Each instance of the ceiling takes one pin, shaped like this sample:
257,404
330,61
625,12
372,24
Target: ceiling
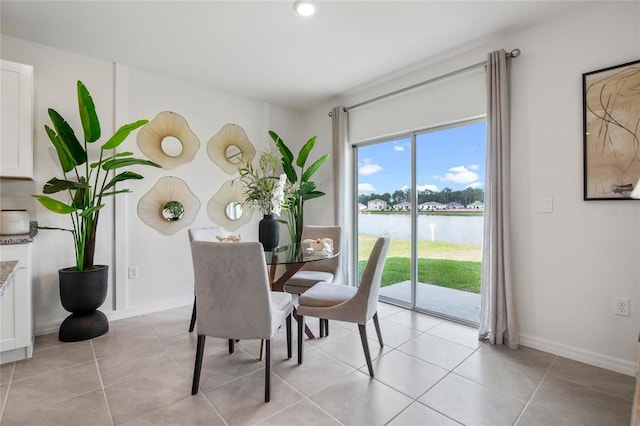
262,49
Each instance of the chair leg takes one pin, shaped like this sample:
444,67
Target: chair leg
231,345
289,336
321,327
267,372
326,327
377,324
198,365
300,337
192,324
365,345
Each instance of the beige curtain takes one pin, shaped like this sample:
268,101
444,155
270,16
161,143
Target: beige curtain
498,322
341,184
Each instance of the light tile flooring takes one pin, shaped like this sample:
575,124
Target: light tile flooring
430,372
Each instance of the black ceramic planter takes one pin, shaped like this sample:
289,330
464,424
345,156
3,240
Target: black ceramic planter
82,293
269,232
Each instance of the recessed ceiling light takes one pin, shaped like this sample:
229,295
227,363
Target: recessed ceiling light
304,7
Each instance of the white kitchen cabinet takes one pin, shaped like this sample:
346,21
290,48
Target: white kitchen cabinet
16,307
16,116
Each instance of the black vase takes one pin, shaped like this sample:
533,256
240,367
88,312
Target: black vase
82,293
269,232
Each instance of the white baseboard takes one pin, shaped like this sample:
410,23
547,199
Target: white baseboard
53,326
592,358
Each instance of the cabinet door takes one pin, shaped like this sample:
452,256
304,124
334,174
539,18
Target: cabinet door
16,329
16,118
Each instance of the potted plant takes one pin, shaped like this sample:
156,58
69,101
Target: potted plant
83,287
300,187
264,190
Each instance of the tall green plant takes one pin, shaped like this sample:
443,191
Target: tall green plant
302,188
86,183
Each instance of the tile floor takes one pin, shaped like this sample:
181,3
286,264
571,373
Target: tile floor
430,372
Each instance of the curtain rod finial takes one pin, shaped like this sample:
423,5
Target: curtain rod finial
515,53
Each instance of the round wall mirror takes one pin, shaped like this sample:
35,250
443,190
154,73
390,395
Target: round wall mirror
171,146
234,210
172,211
233,154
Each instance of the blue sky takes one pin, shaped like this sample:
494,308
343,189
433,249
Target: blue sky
453,158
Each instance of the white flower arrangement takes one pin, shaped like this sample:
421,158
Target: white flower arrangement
262,189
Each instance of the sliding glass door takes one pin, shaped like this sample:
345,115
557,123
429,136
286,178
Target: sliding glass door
427,191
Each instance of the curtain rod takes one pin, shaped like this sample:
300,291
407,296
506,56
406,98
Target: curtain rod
513,54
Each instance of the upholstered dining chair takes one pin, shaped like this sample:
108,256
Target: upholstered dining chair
347,303
202,234
235,300
321,271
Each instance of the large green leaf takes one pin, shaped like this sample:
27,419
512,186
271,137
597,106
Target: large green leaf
122,134
287,155
54,205
56,185
120,191
313,194
91,210
88,115
304,152
312,168
65,132
306,187
121,177
125,162
290,172
64,156
104,160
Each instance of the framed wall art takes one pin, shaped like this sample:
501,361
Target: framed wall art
611,124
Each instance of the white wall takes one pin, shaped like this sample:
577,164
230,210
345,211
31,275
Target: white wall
164,262
570,264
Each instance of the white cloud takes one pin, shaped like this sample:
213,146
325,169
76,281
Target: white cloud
398,148
475,185
366,187
368,168
474,167
427,187
460,175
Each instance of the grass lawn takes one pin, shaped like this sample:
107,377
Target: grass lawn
449,265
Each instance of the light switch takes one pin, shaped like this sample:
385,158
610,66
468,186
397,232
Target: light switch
546,205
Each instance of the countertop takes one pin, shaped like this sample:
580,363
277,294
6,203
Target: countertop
20,239
8,272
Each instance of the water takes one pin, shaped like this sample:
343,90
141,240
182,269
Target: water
455,229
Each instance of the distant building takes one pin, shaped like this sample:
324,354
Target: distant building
431,206
476,205
454,206
402,207
377,205
361,207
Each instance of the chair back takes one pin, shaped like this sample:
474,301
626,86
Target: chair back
369,289
232,290
329,265
205,234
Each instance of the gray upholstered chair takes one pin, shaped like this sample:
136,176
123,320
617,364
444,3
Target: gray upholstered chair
235,300
321,271
202,234
347,303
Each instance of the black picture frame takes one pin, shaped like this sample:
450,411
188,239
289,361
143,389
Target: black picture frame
611,131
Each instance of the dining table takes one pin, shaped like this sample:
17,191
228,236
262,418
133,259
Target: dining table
293,257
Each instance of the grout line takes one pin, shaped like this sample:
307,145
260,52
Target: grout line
104,392
3,403
526,405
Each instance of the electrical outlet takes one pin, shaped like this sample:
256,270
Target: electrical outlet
133,272
621,306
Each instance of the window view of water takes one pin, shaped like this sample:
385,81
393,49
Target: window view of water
454,229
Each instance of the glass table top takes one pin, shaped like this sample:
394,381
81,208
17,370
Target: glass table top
295,253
